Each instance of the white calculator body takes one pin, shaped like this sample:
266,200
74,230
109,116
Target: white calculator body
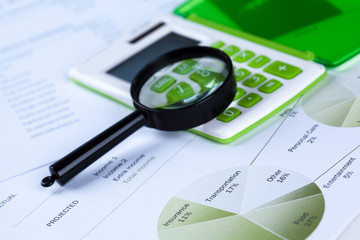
267,79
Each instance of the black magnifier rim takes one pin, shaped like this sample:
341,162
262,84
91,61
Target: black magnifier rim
195,114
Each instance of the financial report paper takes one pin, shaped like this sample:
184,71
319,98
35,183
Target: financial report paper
40,41
294,177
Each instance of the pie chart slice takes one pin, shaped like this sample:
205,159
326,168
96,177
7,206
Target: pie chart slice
335,104
179,212
353,117
264,184
336,114
293,219
292,214
306,191
231,228
213,188
318,106
331,91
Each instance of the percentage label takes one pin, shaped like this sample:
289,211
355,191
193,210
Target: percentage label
293,114
185,216
311,140
310,221
283,177
232,187
348,174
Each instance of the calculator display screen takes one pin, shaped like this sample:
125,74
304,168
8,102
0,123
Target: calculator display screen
127,69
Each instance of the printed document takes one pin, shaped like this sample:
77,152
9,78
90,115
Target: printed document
296,176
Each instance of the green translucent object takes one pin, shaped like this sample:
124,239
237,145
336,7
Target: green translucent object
328,27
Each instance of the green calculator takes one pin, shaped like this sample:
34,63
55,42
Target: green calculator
268,75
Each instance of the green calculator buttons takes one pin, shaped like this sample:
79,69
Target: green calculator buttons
217,44
270,86
231,50
241,73
179,92
283,70
239,93
243,56
229,114
259,61
249,100
163,84
205,78
185,67
254,81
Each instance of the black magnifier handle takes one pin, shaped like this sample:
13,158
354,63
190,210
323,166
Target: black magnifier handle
76,161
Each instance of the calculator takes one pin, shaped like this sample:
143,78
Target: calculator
267,78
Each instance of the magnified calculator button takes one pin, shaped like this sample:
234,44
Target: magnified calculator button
249,100
203,77
163,84
231,50
259,61
270,86
241,73
185,67
229,114
179,92
254,81
239,93
217,44
283,70
244,56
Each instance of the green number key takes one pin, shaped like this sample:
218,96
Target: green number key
205,78
241,73
229,114
179,92
254,80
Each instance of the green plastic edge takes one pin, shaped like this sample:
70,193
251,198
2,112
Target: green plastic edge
101,93
184,11
277,110
185,7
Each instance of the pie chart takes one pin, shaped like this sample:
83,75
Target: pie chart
244,203
336,104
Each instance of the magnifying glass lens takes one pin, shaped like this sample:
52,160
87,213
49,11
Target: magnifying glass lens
179,90
183,83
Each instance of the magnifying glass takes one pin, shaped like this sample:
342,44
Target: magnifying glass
177,91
